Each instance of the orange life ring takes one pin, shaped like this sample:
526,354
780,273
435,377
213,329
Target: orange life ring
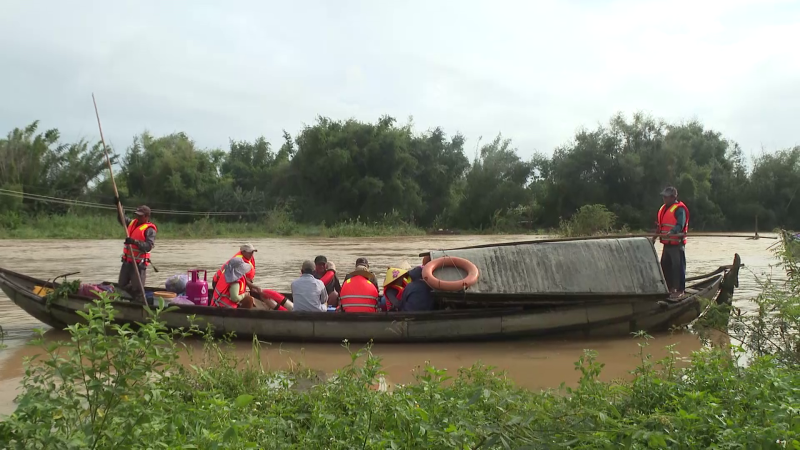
457,285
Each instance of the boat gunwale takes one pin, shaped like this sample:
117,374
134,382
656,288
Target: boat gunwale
53,314
477,313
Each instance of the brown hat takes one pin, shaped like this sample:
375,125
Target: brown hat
142,211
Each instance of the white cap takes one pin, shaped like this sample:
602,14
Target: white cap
247,248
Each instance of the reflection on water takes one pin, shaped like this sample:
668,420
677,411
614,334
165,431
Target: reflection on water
533,364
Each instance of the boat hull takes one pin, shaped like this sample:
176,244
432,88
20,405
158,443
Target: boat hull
606,317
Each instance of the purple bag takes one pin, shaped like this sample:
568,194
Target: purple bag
181,300
92,290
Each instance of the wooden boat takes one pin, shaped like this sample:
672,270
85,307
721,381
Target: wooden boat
548,314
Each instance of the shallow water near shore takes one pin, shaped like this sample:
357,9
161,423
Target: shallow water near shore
533,364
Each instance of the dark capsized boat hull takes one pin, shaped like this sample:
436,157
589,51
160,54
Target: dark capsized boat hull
605,317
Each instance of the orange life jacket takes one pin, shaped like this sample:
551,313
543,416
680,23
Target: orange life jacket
250,275
222,294
667,220
136,232
358,295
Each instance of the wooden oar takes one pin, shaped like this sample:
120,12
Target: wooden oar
120,210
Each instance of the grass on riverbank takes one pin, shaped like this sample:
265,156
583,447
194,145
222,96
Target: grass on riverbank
587,221
105,226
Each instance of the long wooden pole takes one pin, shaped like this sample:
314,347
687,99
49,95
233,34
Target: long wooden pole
120,210
593,238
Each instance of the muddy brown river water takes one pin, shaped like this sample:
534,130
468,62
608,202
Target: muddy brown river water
534,364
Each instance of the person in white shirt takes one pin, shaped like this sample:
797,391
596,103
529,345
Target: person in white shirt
309,293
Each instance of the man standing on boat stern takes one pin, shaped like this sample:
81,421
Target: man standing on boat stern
142,239
673,224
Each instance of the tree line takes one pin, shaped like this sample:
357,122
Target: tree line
382,171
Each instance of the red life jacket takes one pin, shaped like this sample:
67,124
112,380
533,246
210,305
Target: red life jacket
276,296
397,294
359,295
222,295
328,279
250,275
667,220
136,231
389,305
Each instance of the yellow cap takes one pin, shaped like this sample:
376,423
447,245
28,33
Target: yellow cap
393,273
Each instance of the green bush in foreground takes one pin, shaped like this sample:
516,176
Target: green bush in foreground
113,387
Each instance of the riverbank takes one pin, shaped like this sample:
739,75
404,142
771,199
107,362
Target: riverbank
105,226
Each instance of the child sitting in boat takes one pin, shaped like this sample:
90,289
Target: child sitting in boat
393,285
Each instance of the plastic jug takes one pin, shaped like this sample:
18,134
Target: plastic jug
197,289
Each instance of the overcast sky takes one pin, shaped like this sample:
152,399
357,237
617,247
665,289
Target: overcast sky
533,70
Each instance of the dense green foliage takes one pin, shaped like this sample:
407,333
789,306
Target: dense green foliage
383,172
587,221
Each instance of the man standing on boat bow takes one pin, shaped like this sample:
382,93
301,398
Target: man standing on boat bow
142,239
673,224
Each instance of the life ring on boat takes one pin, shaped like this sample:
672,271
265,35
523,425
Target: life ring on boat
454,261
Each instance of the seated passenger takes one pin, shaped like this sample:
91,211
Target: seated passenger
359,294
309,293
247,254
393,285
333,287
230,291
325,271
417,296
362,268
